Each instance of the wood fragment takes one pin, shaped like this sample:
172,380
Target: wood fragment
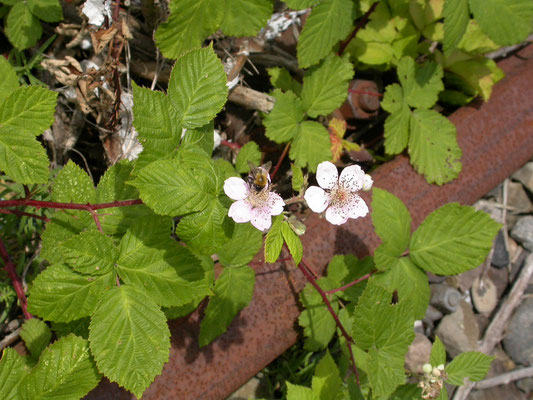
252,99
504,379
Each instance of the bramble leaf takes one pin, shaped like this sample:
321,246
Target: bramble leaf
245,17
36,335
456,16
297,178
438,353
22,28
248,153
396,124
300,4
326,382
433,146
280,78
202,137
282,123
293,242
311,145
233,291
47,10
244,244
73,185
453,239
297,392
9,82
13,370
421,85
127,322
472,365
274,240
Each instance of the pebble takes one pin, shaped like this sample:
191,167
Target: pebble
518,342
525,385
500,255
523,231
444,298
418,354
517,198
525,176
459,330
484,295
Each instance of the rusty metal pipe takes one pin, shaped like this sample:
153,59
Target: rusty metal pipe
496,138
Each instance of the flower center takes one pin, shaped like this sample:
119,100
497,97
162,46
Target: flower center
258,199
339,195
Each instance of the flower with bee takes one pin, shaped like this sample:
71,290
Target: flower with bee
255,202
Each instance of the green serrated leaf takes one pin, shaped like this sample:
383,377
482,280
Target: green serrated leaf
453,239
90,253
172,188
479,73
326,382
248,153
472,365
438,353
293,242
10,81
79,327
197,87
36,335
112,185
507,22
280,78
408,392
22,28
297,392
233,291
60,294
244,244
433,146
297,178
456,17
325,87
282,123
397,123
274,240
421,85
311,145
127,322
202,137
65,370
13,370
189,23
47,10
245,17
73,185
329,22
386,331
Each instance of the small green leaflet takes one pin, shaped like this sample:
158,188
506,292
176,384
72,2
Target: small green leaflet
274,240
296,392
22,28
127,322
453,239
438,353
202,137
10,81
421,85
60,294
24,114
244,244
13,370
456,17
311,145
280,78
329,22
73,185
189,23
472,365
233,291
36,335
326,382
325,86
297,178
282,123
245,17
507,22
47,10
293,242
248,153
65,370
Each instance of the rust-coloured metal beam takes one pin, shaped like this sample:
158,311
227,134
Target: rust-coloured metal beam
496,138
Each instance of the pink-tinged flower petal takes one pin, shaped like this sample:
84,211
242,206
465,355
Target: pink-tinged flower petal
240,211
261,218
336,215
317,199
276,203
367,184
327,175
235,188
352,178
356,207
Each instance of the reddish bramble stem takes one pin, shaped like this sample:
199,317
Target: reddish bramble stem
15,279
67,206
24,214
361,23
276,168
340,289
365,92
231,145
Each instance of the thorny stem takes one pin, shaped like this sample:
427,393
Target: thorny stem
24,214
285,151
340,289
361,23
231,145
15,279
67,206
304,267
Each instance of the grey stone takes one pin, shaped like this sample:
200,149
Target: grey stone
418,354
517,197
525,385
500,278
500,256
523,231
484,295
507,392
444,298
518,342
459,330
525,175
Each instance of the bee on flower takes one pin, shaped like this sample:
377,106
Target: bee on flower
255,202
337,195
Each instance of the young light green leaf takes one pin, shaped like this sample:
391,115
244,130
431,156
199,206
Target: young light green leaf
248,153
206,231
47,10
325,86
293,242
13,370
72,184
438,353
453,239
385,331
22,28
65,370
311,145
297,392
245,17
507,22
233,291
396,124
472,365
456,17
433,146
421,85
156,121
127,322
407,278
280,78
172,188
393,100
282,123
189,23
297,178
329,22
60,294
326,382
197,87
274,240
244,244
36,335
10,81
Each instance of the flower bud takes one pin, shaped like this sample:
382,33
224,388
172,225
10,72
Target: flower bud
427,368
